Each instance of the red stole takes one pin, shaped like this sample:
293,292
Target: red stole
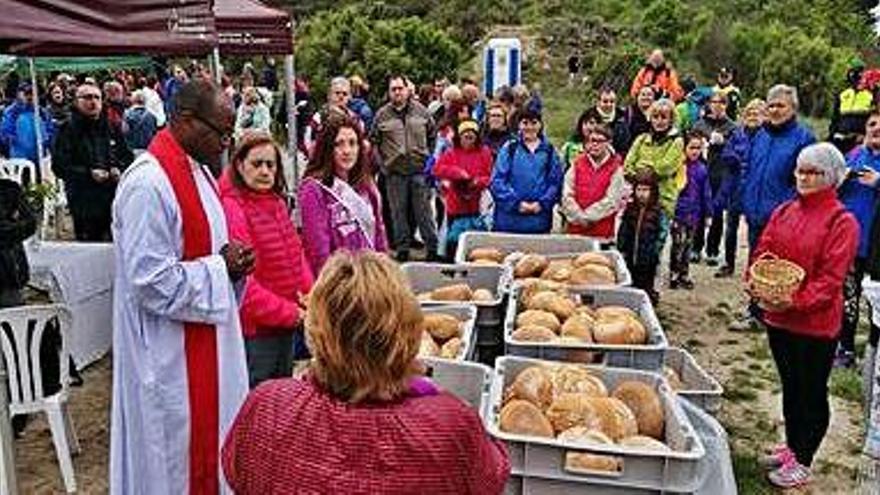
200,340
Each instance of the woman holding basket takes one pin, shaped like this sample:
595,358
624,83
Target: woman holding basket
815,232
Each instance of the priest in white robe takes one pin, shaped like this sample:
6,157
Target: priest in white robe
179,369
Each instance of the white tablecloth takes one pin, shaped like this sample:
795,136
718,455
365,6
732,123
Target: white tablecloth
79,275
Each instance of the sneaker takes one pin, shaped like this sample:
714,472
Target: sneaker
725,271
686,283
791,474
844,359
695,257
712,261
776,456
673,283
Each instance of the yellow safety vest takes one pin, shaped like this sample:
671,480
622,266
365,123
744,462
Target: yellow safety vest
852,101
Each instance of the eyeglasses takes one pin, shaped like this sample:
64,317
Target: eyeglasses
597,140
225,136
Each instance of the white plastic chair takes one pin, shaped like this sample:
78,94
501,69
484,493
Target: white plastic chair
14,169
21,333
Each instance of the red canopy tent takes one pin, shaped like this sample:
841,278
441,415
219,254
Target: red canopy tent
247,27
106,27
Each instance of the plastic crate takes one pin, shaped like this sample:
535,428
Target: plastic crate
528,243
540,458
425,277
621,272
697,385
467,313
647,356
470,382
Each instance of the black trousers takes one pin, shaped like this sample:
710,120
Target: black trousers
643,278
91,226
731,234
852,293
804,365
680,255
715,234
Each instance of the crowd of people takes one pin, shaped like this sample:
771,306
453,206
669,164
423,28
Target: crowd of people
681,163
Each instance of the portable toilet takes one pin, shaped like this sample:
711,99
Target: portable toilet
502,64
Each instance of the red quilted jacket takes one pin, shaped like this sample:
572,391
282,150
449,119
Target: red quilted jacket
281,273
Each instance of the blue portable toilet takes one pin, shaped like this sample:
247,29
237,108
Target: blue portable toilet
502,64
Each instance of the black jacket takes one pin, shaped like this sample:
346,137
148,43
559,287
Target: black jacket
84,144
17,223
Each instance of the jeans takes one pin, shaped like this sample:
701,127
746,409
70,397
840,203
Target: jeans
804,366
411,191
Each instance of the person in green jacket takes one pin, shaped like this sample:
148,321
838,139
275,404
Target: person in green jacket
662,150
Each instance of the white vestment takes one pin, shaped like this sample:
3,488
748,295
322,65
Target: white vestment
154,293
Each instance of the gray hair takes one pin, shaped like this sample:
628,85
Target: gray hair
138,98
784,90
825,157
660,105
340,82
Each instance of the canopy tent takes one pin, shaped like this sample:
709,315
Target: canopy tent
106,27
75,64
247,27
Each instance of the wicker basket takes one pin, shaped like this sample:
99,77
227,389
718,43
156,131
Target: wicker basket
772,278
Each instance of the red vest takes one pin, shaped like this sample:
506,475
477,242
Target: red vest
591,185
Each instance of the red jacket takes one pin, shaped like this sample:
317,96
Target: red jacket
591,185
281,273
664,81
464,175
817,233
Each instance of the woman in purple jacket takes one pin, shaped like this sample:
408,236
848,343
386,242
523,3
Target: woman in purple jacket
339,202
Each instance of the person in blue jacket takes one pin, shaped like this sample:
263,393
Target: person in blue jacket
527,179
729,196
768,177
859,193
17,127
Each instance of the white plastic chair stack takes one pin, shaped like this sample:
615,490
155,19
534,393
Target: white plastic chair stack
21,333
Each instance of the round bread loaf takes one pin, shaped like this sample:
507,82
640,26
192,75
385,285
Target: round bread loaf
533,333
493,255
579,327
569,410
483,295
612,332
558,271
530,265
592,275
645,405
593,259
454,292
442,326
616,419
614,313
538,317
560,305
524,418
532,384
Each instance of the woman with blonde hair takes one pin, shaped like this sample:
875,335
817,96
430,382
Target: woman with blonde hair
361,419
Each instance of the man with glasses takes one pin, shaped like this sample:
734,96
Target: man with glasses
179,367
402,132
89,154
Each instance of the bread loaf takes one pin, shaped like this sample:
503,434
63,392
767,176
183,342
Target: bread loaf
442,326
524,418
645,405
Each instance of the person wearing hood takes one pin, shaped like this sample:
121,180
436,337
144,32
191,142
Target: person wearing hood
527,179
816,232
717,127
17,126
662,150
659,75
851,109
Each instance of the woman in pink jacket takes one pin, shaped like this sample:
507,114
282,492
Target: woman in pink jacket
252,191
338,200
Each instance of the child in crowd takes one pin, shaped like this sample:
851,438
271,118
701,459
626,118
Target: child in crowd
694,205
593,187
639,235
